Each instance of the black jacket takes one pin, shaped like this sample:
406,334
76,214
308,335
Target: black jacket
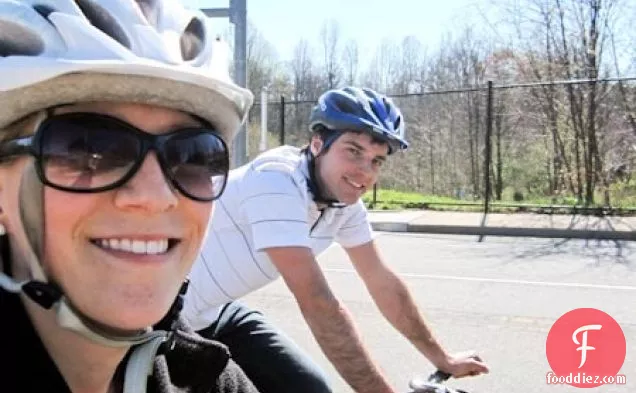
193,365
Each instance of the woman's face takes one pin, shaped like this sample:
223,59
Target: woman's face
107,250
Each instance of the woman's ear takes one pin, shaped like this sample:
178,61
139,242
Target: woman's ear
4,219
3,228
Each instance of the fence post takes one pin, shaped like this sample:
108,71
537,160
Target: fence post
282,120
488,154
375,195
263,144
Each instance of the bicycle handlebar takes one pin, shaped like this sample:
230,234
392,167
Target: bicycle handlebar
433,384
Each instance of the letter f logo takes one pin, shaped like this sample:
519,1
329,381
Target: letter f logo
584,347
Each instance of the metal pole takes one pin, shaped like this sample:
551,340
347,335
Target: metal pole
263,145
488,154
282,120
375,195
216,12
238,16
237,13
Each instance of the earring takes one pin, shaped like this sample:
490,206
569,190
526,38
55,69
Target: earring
4,251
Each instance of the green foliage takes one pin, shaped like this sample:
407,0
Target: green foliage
623,194
398,200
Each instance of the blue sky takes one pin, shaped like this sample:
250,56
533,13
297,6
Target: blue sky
284,22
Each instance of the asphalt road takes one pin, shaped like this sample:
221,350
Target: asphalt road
499,297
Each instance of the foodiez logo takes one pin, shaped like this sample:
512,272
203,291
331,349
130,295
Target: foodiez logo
585,348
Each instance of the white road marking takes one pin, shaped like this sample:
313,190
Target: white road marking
500,280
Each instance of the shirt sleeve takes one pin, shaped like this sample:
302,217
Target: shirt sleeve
275,210
356,230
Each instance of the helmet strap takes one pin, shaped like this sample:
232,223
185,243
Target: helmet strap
314,184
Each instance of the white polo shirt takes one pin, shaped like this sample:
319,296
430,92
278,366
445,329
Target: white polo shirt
266,204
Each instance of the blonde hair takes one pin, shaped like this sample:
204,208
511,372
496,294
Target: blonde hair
22,127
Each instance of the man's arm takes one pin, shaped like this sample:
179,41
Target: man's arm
398,306
328,319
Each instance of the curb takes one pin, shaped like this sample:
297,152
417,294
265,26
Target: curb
504,231
390,226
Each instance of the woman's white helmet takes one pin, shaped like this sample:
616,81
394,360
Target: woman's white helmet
56,52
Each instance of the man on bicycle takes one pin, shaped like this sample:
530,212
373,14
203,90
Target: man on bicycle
281,210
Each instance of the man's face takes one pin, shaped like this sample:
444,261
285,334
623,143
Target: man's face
351,165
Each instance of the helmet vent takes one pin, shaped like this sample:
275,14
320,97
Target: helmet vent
345,106
104,21
192,40
16,40
150,10
43,10
398,121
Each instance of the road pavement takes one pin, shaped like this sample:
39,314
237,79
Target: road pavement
499,297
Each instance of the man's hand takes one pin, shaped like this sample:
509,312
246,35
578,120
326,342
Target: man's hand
464,364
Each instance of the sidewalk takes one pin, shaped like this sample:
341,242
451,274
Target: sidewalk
498,224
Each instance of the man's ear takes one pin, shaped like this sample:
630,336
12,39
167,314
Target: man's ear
316,145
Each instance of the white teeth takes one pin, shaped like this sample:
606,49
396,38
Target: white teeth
125,245
356,185
135,246
138,247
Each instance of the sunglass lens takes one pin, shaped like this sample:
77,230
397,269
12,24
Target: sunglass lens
86,154
198,164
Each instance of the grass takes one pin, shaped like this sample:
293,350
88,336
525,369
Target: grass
399,200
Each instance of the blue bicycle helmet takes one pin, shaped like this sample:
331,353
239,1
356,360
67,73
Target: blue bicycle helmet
359,109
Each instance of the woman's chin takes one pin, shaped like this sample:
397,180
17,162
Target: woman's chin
127,324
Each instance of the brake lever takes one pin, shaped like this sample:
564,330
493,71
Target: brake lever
439,376
433,384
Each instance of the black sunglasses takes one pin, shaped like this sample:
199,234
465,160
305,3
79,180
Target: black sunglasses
90,152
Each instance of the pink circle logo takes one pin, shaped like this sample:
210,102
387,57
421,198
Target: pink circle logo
585,348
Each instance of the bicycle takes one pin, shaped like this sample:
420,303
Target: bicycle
433,384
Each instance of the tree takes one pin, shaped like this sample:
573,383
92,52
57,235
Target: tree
330,35
350,62
262,60
306,87
566,40
383,66
406,78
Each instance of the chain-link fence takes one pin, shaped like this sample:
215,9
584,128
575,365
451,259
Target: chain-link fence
567,142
